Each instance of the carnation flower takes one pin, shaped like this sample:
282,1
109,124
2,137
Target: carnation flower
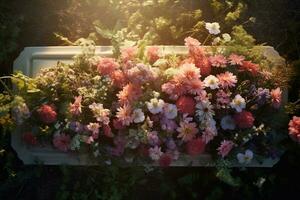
213,28
124,115
245,158
29,138
187,130
225,147
250,67
195,147
227,80
276,97
294,128
75,108
212,82
101,114
61,141
165,160
106,66
47,114
204,110
227,123
186,104
153,54
218,61
170,111
155,153
244,119
155,105
238,103
138,116
236,59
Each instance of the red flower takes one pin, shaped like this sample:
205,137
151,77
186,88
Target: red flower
195,147
107,131
118,124
294,128
244,119
165,160
29,138
47,114
250,67
186,104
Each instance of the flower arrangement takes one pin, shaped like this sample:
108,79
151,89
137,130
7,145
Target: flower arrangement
152,107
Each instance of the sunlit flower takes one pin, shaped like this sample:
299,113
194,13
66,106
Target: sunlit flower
276,97
170,111
294,128
129,53
138,116
238,103
155,105
204,110
227,80
218,61
106,66
245,158
155,153
61,141
235,59
129,94
227,123
124,115
101,114
225,147
191,42
75,108
212,82
187,130
213,28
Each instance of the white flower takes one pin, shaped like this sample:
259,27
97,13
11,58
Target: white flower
155,105
226,37
216,41
238,103
213,28
204,111
155,153
138,116
211,81
227,123
245,158
170,111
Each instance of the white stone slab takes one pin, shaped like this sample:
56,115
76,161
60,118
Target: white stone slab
32,59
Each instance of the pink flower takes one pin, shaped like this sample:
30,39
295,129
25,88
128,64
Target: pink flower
294,129
75,108
47,114
128,53
124,114
187,131
165,160
94,128
276,97
223,98
140,74
129,94
236,59
208,134
155,153
218,61
225,148
100,113
195,87
118,124
29,138
118,78
244,119
186,104
107,131
61,141
227,80
191,42
106,66
195,147
188,72
153,54
250,67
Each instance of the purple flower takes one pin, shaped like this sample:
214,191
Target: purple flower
76,126
262,95
168,125
153,139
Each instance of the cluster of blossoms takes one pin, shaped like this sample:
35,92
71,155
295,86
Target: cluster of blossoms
153,110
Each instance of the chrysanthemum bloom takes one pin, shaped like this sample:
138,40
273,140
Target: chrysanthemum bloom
276,97
212,82
225,147
213,28
100,113
128,53
250,67
106,66
294,128
61,141
187,130
75,108
244,119
165,160
238,103
155,153
245,158
29,138
189,72
124,114
195,147
153,54
47,114
186,104
218,61
129,94
208,134
236,59
227,80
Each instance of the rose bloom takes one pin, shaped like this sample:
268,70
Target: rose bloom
165,160
29,138
294,128
195,147
244,119
61,141
186,104
47,114
276,97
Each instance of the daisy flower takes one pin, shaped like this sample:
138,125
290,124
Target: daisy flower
227,80
187,130
204,110
124,115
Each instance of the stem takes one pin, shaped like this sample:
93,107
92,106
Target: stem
208,36
6,87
